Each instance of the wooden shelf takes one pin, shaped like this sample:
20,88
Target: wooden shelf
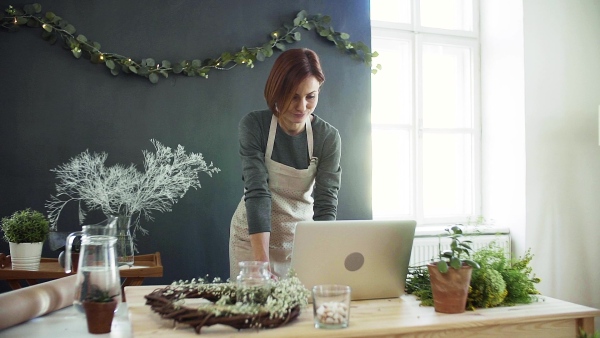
149,265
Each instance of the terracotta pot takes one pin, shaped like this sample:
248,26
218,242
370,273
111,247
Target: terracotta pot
450,289
99,316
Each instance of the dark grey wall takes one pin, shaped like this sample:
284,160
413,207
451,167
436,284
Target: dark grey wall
54,106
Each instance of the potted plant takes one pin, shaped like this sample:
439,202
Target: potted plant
99,306
25,231
450,275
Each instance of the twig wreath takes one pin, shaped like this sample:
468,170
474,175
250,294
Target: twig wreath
54,28
288,296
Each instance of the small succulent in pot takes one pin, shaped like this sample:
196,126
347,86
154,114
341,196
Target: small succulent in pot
458,249
98,295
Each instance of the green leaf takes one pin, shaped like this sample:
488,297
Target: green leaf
345,36
471,263
133,69
29,9
81,38
442,266
373,71
114,71
297,36
260,56
70,29
33,23
37,7
150,62
143,70
50,16
177,68
153,78
110,64
308,26
280,46
378,66
76,52
455,263
21,20
166,63
301,15
196,63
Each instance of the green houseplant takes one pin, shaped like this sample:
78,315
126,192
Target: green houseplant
99,306
25,231
450,275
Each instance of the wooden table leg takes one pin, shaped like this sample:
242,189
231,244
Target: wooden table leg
14,284
130,281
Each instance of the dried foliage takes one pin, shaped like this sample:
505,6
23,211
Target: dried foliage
287,297
119,190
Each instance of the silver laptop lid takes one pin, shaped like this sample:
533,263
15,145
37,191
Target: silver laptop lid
370,256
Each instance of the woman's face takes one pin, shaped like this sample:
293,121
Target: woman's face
302,105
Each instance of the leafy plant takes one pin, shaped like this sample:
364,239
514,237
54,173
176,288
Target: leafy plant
583,334
98,295
517,275
458,249
54,28
499,281
25,226
125,191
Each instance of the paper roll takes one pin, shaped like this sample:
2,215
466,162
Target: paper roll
29,302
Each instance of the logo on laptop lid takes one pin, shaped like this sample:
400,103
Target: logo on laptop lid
354,261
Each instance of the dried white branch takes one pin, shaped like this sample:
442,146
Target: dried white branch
120,190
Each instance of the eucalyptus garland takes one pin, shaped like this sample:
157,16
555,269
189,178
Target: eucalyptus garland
55,28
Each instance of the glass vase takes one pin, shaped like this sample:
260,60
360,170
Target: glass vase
125,248
253,283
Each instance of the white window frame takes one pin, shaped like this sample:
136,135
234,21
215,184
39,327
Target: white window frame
417,36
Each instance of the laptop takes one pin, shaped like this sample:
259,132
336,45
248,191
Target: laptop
371,256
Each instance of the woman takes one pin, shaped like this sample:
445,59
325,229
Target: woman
286,151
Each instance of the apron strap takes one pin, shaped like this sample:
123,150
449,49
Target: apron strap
273,131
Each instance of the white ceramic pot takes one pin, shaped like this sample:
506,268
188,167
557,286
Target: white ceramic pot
25,256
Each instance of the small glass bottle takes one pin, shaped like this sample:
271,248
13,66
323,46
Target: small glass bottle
253,282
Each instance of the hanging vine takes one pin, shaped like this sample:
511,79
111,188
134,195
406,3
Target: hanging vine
54,29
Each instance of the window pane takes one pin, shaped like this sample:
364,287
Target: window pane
391,88
391,173
447,174
391,10
447,87
447,14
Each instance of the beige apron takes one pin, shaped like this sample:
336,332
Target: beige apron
291,202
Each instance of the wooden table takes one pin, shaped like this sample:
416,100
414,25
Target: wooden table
398,317
149,265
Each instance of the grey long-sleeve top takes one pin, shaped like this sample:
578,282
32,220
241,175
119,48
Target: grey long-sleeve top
291,151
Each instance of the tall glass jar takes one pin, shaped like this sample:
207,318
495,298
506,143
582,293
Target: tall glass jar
253,282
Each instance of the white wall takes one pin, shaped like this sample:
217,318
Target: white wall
562,94
541,92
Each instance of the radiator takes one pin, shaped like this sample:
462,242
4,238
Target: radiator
426,248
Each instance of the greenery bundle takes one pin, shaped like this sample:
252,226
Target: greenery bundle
25,226
125,191
55,27
498,282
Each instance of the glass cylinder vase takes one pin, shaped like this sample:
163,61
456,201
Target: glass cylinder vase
253,283
125,248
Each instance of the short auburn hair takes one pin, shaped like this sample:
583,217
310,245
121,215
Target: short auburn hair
290,68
